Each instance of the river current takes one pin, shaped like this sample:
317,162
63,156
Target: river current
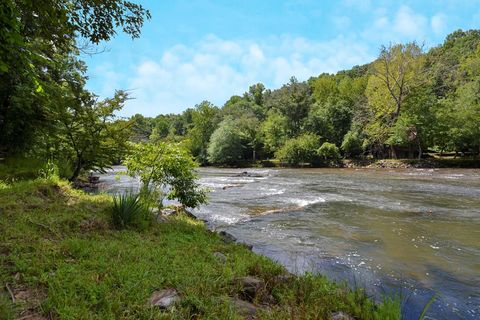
412,233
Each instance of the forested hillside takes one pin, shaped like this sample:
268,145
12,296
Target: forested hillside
405,103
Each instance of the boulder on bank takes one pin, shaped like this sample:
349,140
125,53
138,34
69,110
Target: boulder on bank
164,299
250,287
220,256
341,316
227,237
171,211
244,308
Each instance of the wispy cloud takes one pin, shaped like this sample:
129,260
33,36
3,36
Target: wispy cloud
215,68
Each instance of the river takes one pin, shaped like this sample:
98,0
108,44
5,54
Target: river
414,233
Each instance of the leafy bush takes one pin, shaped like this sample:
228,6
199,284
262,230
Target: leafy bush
129,211
166,169
352,144
225,145
329,151
298,150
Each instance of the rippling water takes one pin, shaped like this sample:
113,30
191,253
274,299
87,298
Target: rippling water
415,233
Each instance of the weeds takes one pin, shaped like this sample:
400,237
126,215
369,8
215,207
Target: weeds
128,211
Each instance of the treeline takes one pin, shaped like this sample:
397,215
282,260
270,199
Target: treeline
401,105
404,104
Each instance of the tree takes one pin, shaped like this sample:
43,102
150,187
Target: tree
352,144
302,149
395,74
89,139
226,145
293,101
324,87
205,118
330,120
38,41
459,114
274,130
164,167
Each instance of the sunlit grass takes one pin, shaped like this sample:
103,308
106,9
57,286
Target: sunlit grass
59,246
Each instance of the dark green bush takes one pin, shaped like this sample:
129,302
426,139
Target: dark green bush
329,152
352,144
302,149
128,211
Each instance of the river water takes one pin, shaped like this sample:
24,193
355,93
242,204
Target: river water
414,233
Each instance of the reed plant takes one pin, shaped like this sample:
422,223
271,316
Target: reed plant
128,211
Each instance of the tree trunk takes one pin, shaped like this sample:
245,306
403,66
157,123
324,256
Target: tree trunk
393,154
76,171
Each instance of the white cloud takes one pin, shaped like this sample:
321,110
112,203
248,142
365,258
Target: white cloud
398,26
409,23
439,23
214,69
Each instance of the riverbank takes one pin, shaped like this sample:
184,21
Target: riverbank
429,163
61,259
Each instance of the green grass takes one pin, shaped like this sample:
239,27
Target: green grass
62,258
19,168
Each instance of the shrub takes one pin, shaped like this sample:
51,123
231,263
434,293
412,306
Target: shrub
129,211
299,150
166,170
329,151
352,144
225,145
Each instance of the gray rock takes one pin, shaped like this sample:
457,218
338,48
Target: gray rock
227,237
250,286
268,300
168,211
220,256
161,219
164,298
244,308
189,214
283,278
341,316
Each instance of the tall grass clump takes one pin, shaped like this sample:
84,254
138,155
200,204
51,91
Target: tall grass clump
129,212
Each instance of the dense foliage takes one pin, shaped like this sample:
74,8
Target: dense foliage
165,169
405,104
45,110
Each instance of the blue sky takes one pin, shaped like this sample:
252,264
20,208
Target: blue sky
195,50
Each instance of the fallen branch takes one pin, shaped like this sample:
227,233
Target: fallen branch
10,292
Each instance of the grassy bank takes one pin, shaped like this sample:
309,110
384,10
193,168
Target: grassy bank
61,259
